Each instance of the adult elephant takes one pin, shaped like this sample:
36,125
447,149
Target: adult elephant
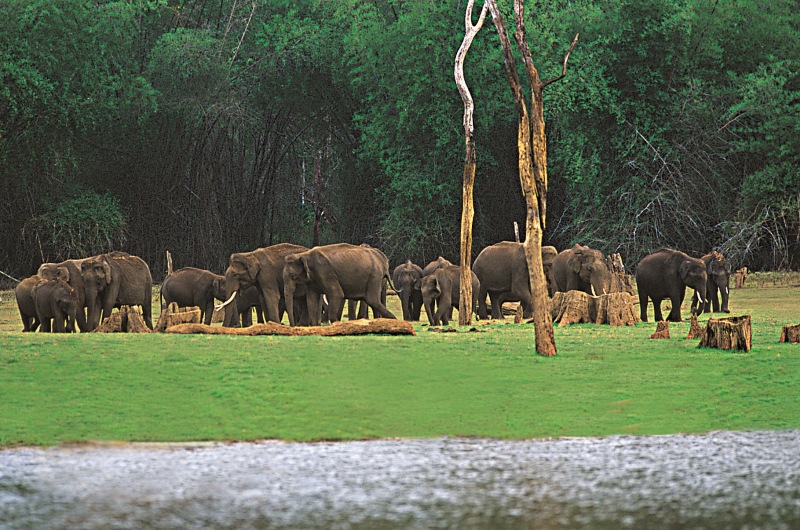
339,272
57,303
263,268
444,286
666,274
718,271
191,286
581,268
25,303
70,272
116,279
502,271
404,277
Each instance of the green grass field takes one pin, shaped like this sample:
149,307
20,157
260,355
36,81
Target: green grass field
72,388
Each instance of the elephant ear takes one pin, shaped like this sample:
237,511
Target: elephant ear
107,270
575,261
306,268
418,285
63,274
253,266
437,286
684,268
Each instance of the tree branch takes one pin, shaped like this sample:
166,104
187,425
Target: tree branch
566,58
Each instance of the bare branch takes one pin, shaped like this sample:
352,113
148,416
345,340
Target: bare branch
566,58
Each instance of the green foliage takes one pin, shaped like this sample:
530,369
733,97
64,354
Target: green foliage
84,226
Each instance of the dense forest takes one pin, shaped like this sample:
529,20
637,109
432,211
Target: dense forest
206,127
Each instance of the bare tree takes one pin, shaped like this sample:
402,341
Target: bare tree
532,152
467,210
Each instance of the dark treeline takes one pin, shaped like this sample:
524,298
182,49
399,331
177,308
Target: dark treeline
206,127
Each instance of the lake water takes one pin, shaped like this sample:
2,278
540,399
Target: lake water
717,480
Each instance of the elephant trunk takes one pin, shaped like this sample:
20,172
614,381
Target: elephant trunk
428,303
724,293
405,299
700,293
289,287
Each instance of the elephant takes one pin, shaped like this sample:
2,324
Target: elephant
435,264
581,269
116,279
718,270
338,271
263,268
70,272
27,307
549,254
56,301
443,285
502,271
191,286
404,277
666,274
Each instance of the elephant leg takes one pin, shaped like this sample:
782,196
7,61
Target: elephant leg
313,301
657,316
363,309
45,328
482,311
643,306
247,317
271,306
496,300
713,295
416,306
378,308
207,312
675,312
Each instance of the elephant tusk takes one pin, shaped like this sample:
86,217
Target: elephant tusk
593,292
325,299
726,289
228,301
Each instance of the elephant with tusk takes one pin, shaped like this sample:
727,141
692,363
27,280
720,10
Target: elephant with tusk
718,270
581,268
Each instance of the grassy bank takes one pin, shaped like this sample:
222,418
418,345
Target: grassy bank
64,388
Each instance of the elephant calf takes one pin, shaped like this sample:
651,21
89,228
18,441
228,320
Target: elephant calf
444,286
56,301
27,307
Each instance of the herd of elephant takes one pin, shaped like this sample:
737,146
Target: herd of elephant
312,285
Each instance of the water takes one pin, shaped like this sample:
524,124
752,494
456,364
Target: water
718,480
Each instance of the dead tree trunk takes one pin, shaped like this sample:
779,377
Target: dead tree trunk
467,210
791,334
733,333
532,159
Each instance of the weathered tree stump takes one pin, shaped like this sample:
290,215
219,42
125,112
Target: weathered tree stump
174,315
695,331
518,315
574,307
662,330
791,334
732,333
377,326
620,281
739,276
127,320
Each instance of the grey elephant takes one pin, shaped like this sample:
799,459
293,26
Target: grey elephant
430,268
443,286
581,268
404,277
115,279
70,272
191,286
25,303
666,274
718,271
263,268
502,271
57,303
339,272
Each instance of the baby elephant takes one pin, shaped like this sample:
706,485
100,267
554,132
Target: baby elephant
25,303
56,301
443,287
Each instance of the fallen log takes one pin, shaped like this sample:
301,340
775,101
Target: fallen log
127,320
732,333
378,326
791,334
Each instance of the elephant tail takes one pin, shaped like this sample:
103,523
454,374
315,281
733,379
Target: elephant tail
389,283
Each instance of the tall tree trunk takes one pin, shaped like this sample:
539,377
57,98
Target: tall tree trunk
467,211
532,151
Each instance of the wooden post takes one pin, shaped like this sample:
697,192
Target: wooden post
468,178
732,333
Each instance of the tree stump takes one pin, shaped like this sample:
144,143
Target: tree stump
662,330
620,281
127,320
739,277
732,333
695,331
174,315
791,334
518,315
574,307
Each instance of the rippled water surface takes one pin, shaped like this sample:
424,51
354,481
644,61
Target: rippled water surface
719,480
